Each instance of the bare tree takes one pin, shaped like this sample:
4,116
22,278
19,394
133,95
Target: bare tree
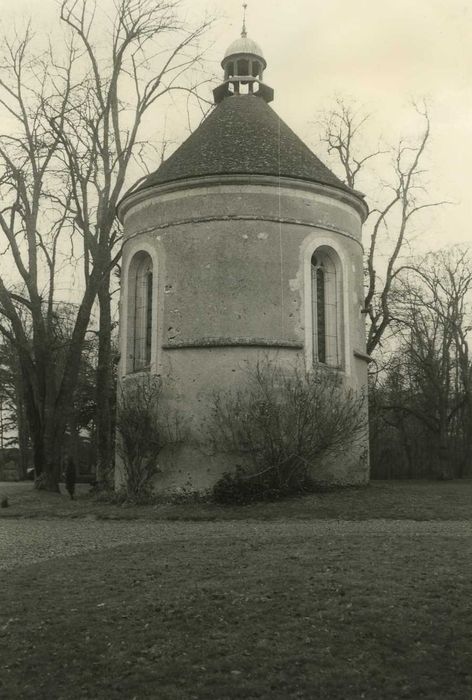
402,196
442,299
32,220
72,133
428,377
150,54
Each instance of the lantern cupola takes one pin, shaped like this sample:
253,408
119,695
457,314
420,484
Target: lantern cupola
243,66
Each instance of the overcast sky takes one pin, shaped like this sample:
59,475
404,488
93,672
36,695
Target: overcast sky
383,54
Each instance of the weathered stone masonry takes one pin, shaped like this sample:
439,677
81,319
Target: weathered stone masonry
234,235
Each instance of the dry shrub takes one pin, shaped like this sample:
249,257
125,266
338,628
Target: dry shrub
283,423
144,429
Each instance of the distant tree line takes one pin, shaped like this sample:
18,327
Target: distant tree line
421,399
81,427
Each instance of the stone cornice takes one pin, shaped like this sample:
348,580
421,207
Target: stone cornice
227,342
354,199
241,217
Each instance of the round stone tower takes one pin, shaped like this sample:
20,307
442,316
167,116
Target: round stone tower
241,245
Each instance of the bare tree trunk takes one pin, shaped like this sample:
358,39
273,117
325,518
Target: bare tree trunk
104,390
444,472
406,444
52,462
466,467
47,440
23,436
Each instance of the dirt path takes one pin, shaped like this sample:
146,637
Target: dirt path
23,542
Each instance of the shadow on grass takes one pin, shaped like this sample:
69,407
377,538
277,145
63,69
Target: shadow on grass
412,500
252,614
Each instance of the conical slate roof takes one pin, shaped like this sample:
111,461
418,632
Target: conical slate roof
243,135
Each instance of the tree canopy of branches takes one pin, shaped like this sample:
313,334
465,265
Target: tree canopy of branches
100,137
75,128
426,394
401,194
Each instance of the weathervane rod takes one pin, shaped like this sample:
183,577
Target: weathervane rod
244,32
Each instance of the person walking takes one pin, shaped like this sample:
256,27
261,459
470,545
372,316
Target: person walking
70,476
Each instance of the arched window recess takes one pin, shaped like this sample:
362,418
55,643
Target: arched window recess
326,308
140,311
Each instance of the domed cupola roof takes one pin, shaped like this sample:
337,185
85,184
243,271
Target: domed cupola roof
244,45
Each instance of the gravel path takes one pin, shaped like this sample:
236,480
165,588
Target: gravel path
23,542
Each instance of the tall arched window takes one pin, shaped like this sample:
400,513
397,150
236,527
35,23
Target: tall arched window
326,307
140,308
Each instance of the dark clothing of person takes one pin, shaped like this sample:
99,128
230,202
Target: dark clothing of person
70,477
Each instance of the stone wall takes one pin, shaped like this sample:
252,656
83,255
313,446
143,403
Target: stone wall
232,265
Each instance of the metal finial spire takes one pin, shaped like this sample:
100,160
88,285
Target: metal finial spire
244,32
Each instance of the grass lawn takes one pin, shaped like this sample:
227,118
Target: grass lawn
415,500
276,606
290,613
